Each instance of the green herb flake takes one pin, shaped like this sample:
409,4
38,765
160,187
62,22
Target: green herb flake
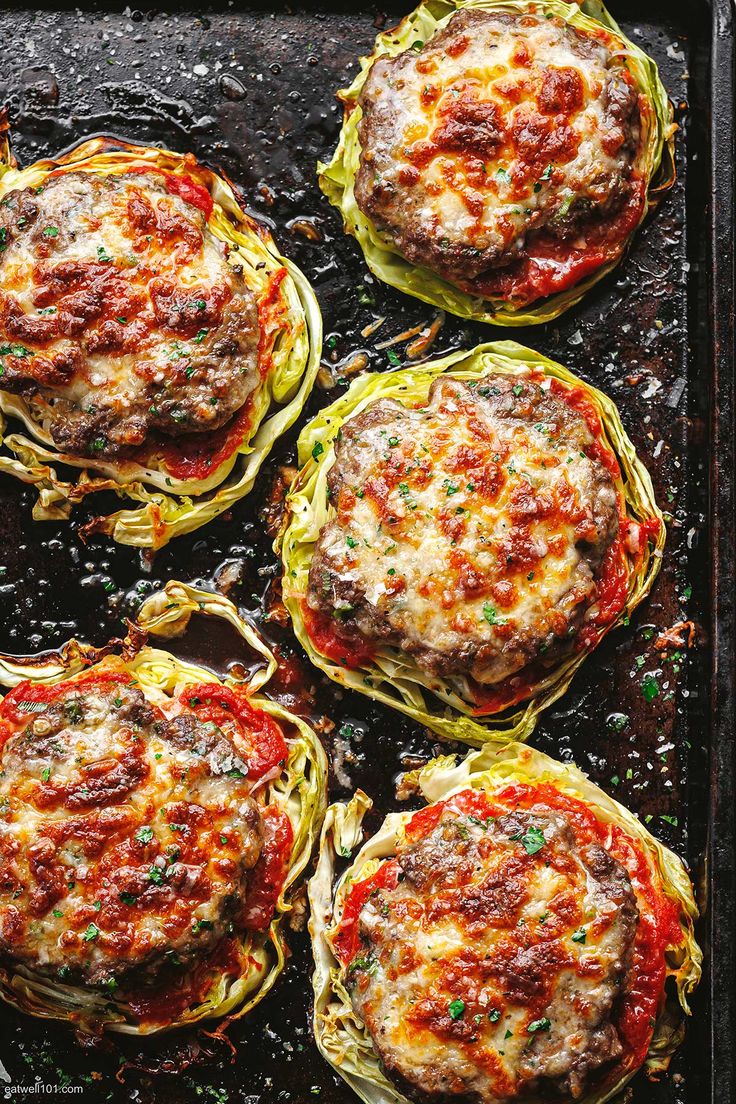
317,450
144,834
456,1009
539,1025
649,688
490,614
532,840
91,933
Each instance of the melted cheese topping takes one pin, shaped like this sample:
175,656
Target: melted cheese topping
126,837
502,124
491,956
120,313
467,532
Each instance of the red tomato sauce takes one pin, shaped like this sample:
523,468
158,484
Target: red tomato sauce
347,938
270,872
164,1004
256,735
658,928
197,459
552,266
270,316
32,692
328,641
197,195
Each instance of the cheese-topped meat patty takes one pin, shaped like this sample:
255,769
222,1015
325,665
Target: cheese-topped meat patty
506,137
126,837
119,312
491,953
468,532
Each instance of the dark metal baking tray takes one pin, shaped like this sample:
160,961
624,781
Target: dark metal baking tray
250,88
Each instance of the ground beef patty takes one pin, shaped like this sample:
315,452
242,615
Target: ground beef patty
468,532
501,126
120,313
492,969
125,838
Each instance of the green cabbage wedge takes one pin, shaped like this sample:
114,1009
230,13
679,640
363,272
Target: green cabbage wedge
341,1035
169,506
392,677
299,791
655,160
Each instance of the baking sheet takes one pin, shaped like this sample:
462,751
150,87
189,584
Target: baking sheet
251,90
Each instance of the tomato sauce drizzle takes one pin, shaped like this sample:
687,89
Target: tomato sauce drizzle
269,875
197,459
327,639
659,916
37,693
255,734
164,1004
552,266
193,193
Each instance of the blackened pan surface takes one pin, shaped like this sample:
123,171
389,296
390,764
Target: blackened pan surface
250,89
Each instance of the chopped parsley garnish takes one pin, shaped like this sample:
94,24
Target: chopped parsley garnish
545,176
200,336
450,487
407,496
317,450
202,925
46,774
200,304
50,232
494,1015
649,687
367,963
532,840
156,875
539,1025
491,615
91,933
15,350
504,175
351,542
144,834
58,913
128,898
103,255
456,1008
393,358
579,936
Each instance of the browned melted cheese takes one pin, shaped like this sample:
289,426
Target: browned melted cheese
126,837
119,313
500,126
467,532
491,954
